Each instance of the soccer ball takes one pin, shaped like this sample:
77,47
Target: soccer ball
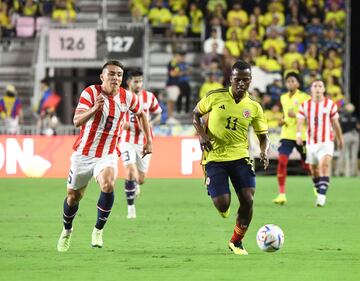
270,238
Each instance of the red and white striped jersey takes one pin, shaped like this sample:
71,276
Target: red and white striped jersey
100,134
318,116
134,133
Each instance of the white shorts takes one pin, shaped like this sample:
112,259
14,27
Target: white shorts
83,168
314,152
133,154
172,92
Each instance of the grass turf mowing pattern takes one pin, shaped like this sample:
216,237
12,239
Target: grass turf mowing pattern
178,234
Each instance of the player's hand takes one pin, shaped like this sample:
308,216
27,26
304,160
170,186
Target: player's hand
281,122
205,143
340,143
264,159
147,149
99,102
299,141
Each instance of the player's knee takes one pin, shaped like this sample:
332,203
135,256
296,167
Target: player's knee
74,197
108,186
222,203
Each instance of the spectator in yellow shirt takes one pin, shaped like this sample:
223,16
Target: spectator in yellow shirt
275,41
159,16
234,45
237,13
140,6
331,70
29,8
211,83
291,56
271,62
176,5
313,58
63,13
196,20
180,23
335,13
253,23
6,27
294,32
274,11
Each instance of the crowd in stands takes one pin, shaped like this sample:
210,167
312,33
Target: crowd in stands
276,36
13,11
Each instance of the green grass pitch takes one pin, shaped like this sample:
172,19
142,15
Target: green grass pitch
178,234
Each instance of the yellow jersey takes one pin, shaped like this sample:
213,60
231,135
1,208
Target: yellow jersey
228,124
288,103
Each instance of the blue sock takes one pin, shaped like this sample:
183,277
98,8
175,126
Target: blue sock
105,203
316,183
130,191
69,214
323,185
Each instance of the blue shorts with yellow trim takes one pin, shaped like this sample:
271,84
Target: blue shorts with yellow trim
240,172
287,146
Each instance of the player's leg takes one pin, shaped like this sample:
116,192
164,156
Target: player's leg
217,183
131,175
243,179
324,154
324,179
128,156
79,176
105,173
285,149
142,164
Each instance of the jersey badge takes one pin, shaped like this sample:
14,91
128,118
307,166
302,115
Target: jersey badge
123,107
246,113
222,107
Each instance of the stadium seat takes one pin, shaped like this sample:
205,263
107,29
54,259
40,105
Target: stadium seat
25,27
41,22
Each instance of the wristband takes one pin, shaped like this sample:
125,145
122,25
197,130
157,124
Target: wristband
298,134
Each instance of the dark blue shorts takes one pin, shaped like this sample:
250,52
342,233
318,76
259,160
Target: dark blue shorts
287,146
240,172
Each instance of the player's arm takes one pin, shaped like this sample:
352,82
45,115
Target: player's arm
205,142
338,133
82,116
264,149
299,126
144,123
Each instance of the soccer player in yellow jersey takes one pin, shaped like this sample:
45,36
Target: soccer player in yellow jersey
290,103
225,146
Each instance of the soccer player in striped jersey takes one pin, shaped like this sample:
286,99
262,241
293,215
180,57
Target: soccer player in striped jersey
321,117
132,140
290,103
99,113
225,145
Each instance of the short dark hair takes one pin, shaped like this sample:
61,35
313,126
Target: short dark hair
293,74
134,73
113,62
241,65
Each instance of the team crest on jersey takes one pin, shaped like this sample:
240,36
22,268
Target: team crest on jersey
123,107
246,113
